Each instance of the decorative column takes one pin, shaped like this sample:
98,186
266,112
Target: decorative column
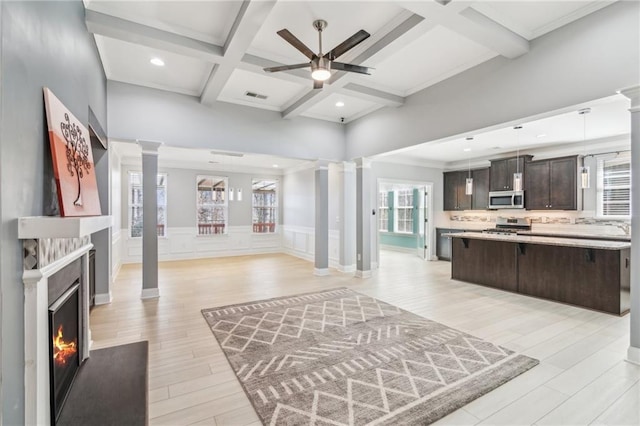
633,353
149,219
321,253
347,208
364,211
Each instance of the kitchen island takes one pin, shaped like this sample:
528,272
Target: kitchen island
594,274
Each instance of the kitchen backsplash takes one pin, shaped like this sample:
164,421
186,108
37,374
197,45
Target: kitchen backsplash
582,222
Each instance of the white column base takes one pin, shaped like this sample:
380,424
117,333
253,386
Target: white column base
347,269
150,293
633,355
103,298
363,274
322,272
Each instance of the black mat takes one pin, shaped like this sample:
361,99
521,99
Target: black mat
110,388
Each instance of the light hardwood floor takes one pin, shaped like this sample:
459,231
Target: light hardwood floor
582,377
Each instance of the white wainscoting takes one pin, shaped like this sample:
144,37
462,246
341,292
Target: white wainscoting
299,241
184,243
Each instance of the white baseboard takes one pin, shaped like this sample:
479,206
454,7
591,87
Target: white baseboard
150,293
321,272
299,254
363,274
103,298
398,249
116,270
633,355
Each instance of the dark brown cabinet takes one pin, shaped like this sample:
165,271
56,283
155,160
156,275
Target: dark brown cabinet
455,197
592,278
490,263
588,277
480,197
454,191
502,172
552,184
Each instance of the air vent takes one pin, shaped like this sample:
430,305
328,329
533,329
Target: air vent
255,95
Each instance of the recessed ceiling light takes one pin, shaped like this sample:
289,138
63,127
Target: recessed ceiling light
467,149
275,165
542,135
157,62
339,104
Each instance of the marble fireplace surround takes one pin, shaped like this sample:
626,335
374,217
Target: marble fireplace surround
49,244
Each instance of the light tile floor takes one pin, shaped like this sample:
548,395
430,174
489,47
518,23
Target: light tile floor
582,377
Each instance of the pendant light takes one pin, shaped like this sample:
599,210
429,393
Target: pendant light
585,175
468,187
517,176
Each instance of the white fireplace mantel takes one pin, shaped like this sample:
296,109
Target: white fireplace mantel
38,227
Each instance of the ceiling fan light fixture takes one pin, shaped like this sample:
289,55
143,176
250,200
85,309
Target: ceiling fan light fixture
320,69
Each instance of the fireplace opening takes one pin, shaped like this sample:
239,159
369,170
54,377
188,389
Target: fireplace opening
64,338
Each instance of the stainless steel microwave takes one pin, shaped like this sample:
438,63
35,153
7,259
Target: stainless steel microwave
506,200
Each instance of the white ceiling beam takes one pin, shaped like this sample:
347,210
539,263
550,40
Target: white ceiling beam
248,22
466,21
373,95
403,30
132,32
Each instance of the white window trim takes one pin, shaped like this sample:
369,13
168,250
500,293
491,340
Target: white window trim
600,187
130,204
276,228
397,208
225,205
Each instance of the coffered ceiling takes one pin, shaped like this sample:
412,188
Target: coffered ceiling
215,50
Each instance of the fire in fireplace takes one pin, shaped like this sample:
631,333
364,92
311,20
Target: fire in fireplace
64,332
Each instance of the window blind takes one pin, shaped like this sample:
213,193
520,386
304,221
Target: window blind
614,186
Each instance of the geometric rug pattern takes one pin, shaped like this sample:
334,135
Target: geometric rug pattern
338,357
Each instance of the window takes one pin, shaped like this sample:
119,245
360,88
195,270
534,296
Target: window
135,204
265,205
211,204
383,212
614,186
404,210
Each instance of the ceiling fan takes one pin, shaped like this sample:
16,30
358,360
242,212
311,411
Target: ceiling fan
322,64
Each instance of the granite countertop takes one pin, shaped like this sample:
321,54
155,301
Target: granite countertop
550,241
576,235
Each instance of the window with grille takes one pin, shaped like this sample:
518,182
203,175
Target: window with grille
614,186
211,204
264,205
383,212
135,204
404,210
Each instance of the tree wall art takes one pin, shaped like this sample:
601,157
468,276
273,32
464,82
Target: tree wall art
73,166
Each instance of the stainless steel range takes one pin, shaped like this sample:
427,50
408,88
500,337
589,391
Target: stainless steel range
510,225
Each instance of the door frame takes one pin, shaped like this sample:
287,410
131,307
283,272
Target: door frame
428,186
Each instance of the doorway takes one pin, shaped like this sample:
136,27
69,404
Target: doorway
404,222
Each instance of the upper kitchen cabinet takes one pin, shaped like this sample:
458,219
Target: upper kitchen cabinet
552,184
455,197
454,191
480,197
502,172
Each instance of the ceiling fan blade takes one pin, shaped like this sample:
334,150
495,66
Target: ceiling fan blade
286,67
292,40
318,84
349,67
348,44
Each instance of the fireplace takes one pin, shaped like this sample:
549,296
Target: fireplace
64,335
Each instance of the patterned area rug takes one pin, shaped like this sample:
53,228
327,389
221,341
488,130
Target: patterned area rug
338,357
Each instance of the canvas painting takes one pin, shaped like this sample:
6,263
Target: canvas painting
73,166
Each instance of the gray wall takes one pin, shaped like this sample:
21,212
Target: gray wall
181,195
335,189
298,199
179,120
43,44
588,59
